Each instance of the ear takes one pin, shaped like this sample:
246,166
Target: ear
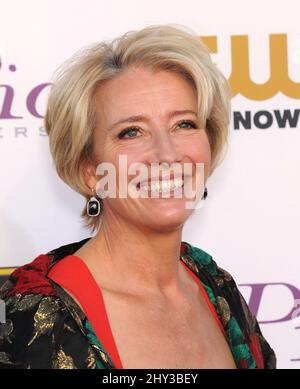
89,173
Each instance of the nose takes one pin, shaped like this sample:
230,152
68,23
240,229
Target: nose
165,150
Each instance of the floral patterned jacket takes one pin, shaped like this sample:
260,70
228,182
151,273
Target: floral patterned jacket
45,328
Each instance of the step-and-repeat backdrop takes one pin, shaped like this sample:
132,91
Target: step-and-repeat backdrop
250,221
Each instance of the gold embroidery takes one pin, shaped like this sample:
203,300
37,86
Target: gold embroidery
6,287
91,360
62,361
26,302
227,276
73,308
224,309
4,358
103,356
77,318
53,339
13,301
219,281
190,263
45,317
6,330
68,328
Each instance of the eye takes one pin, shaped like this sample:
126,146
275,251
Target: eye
131,132
188,124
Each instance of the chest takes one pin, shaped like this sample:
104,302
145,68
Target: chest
162,335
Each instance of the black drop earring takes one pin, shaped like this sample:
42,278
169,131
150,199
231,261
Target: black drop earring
93,206
205,193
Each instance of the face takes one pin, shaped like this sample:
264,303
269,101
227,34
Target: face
163,129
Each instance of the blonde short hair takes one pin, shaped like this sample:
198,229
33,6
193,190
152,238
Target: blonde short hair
70,114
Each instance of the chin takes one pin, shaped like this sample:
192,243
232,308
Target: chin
167,219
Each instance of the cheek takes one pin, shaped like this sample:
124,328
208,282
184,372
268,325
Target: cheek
198,151
122,161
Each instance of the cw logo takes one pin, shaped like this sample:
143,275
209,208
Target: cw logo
240,80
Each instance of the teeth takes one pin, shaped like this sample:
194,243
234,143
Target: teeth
178,183
162,186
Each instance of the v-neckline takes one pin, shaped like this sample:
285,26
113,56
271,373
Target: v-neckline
73,274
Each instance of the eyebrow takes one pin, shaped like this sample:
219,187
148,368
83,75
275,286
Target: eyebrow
140,118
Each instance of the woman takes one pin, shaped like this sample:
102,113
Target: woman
133,295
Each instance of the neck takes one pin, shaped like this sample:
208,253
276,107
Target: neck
136,258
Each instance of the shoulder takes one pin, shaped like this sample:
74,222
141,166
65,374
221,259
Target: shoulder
230,304
221,283
202,260
218,282
31,278
32,311
36,315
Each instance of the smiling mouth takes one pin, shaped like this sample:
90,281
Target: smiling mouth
162,186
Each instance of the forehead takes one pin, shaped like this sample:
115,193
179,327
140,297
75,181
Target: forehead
144,91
